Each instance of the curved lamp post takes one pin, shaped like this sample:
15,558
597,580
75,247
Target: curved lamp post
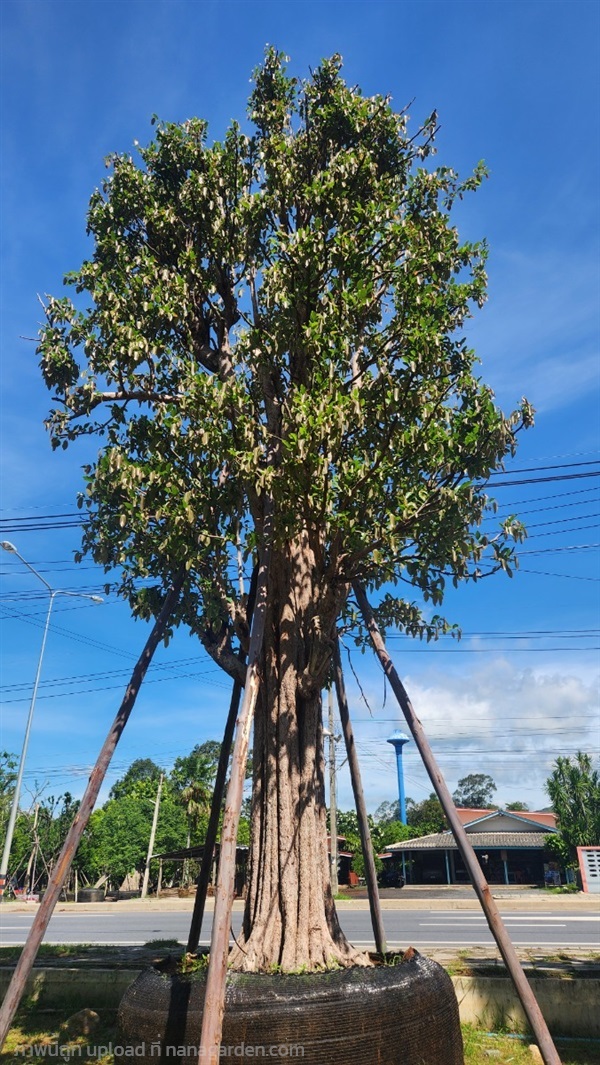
53,592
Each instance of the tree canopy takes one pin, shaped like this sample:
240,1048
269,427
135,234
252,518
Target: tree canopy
427,816
282,310
474,791
141,772
574,789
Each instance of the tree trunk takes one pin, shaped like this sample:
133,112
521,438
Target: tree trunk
290,920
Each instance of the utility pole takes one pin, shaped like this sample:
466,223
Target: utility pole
152,835
333,848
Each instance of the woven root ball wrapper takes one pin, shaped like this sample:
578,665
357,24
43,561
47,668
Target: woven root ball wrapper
396,1014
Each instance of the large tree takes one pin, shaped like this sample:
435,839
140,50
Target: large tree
141,772
574,788
427,816
269,335
474,791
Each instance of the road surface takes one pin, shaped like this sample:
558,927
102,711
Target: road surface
421,928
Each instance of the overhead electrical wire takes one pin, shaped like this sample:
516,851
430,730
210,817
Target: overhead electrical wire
113,687
537,469
566,576
555,550
545,480
72,519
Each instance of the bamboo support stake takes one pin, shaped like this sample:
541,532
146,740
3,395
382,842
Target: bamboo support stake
480,884
359,802
217,799
333,842
146,879
61,869
214,1001
213,822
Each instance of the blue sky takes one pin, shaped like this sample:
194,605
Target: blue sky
515,84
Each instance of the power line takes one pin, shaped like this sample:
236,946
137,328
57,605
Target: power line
566,576
537,469
564,521
73,519
539,634
541,499
496,650
560,532
544,480
112,687
556,550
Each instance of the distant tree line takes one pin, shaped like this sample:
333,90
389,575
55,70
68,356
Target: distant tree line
116,841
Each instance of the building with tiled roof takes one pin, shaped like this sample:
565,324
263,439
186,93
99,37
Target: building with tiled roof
511,847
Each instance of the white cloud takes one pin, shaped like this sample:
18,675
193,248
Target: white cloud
509,722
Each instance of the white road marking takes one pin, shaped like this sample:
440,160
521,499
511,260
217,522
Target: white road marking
528,918
439,924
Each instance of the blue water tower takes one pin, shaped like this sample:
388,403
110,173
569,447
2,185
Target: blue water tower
397,740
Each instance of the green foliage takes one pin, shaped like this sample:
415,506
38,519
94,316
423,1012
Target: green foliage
199,767
386,812
282,310
393,832
142,771
382,835
516,807
116,840
358,862
574,790
22,843
54,821
8,765
49,830
474,791
426,817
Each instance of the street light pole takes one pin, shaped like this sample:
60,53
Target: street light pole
7,546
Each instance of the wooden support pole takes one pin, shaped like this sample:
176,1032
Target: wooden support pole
146,879
333,841
218,792
61,869
213,822
359,802
214,1001
497,928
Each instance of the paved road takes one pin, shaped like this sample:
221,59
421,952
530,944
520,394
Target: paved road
418,928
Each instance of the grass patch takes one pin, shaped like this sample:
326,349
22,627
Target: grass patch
59,950
35,1029
482,1048
37,1032
88,954
564,889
